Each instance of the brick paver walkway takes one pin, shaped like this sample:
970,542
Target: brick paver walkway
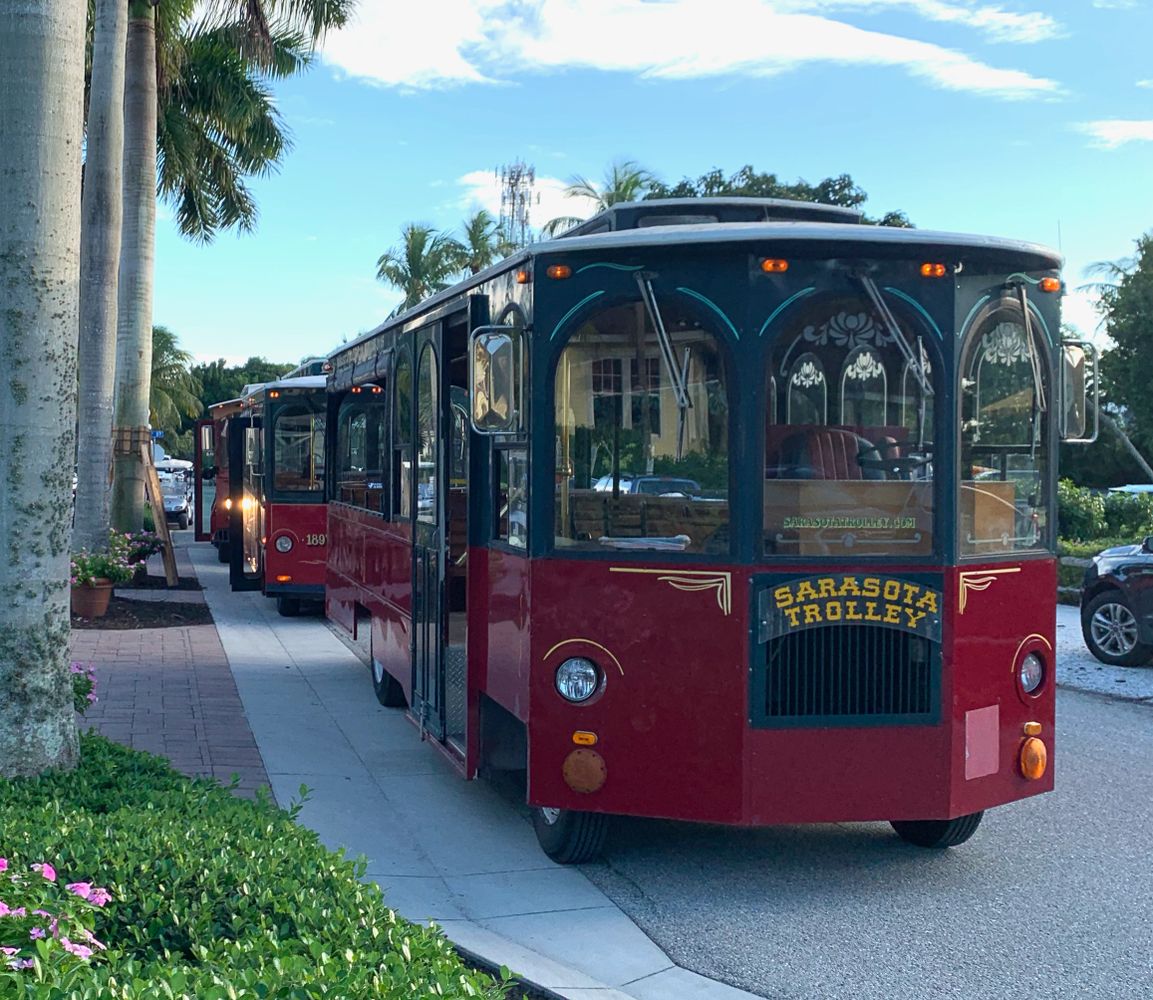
170,691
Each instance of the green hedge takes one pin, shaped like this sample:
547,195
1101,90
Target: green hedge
1085,515
213,897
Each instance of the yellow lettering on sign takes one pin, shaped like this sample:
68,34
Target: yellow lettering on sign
928,601
871,587
794,616
833,611
912,617
871,612
892,590
849,586
851,612
783,596
805,591
892,614
911,590
827,587
812,614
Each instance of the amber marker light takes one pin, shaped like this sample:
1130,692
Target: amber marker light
1050,284
523,277
284,579
377,390
1032,729
558,271
933,270
774,265
274,394
584,739
1034,758
355,389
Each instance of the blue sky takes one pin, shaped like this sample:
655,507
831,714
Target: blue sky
1015,118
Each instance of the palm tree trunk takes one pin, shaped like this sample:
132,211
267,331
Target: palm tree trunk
138,252
99,263
41,105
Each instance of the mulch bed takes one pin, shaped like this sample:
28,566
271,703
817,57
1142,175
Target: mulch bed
125,613
159,583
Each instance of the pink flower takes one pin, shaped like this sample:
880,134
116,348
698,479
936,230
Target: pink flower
10,951
98,897
37,932
6,911
81,889
46,870
79,950
3,864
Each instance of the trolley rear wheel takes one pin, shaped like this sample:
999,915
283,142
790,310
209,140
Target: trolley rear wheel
287,607
568,836
386,687
223,552
938,833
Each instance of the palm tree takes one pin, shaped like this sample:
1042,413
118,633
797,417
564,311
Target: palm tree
425,262
234,133
99,264
41,95
175,391
484,242
624,181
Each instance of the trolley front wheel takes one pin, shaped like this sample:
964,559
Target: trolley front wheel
223,552
570,837
386,687
938,833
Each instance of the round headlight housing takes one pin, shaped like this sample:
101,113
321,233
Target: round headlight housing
1031,673
283,543
577,679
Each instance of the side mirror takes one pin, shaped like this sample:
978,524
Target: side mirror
494,365
1147,545
1079,377
208,472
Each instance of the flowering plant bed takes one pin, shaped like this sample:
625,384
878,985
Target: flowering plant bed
211,896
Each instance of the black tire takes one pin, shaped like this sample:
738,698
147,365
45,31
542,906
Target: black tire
1111,631
938,833
182,522
223,553
287,607
386,687
570,837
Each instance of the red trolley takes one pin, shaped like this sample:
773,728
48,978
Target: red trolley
744,523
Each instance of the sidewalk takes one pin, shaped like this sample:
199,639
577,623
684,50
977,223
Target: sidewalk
282,702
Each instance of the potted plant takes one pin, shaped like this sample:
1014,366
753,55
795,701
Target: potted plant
94,574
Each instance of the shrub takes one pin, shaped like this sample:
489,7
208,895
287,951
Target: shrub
83,686
1129,514
213,896
1080,512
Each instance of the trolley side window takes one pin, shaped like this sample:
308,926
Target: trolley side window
848,433
297,450
1004,497
642,450
362,450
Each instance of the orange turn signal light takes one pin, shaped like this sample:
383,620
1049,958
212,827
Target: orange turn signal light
355,389
1032,729
558,271
1050,284
284,579
1034,758
933,270
274,394
773,265
523,277
377,390
584,739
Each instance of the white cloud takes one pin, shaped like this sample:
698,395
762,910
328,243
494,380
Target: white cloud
1115,4
1111,133
998,24
492,41
1147,84
1079,310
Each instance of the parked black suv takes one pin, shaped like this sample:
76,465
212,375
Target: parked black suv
1117,605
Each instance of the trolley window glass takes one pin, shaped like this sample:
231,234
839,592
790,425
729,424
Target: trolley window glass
641,464
848,439
1005,497
297,451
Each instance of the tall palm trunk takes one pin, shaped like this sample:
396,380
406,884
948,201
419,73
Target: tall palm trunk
99,263
138,251
41,97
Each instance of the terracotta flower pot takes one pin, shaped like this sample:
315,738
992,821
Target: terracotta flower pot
90,600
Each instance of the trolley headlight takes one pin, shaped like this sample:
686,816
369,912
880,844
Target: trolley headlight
577,679
283,543
228,503
1031,673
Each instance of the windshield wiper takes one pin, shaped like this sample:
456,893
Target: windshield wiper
676,379
1034,360
890,322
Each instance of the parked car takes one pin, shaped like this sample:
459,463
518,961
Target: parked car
661,486
1133,488
176,488
1117,605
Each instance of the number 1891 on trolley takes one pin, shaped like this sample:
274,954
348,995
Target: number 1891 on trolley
729,511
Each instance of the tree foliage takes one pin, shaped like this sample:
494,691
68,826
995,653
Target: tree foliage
422,264
220,381
624,181
1125,301
748,183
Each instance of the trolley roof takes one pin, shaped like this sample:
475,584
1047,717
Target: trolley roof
703,211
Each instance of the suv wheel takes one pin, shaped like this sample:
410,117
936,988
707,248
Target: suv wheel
1111,631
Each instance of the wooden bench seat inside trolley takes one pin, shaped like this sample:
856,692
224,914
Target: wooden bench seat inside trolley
594,514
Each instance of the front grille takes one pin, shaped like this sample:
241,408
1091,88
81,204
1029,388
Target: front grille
867,674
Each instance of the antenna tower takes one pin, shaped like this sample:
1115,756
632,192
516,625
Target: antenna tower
516,198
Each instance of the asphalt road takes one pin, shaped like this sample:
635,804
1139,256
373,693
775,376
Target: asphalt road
1053,896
